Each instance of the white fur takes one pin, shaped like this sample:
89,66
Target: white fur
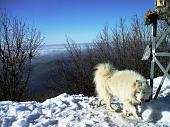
129,86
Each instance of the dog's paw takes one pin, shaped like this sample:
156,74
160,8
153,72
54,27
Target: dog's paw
126,114
98,105
139,118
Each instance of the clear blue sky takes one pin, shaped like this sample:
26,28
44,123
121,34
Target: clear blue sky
81,20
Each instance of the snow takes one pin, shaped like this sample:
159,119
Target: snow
81,111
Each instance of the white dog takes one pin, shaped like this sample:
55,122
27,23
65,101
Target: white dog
129,86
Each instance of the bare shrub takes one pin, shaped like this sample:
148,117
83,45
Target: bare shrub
18,44
71,72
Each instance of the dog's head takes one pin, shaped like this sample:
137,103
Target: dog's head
142,91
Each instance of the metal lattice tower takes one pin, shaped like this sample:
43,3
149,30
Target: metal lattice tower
163,9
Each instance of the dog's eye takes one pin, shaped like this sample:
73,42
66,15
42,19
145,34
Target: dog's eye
138,92
143,92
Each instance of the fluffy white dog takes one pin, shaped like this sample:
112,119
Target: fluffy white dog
129,86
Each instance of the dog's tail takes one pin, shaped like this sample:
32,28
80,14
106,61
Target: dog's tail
103,71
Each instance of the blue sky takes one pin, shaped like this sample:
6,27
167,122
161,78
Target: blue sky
81,20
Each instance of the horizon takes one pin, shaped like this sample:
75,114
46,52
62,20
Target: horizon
79,20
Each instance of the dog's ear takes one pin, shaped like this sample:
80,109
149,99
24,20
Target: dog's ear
138,82
135,83
135,87
142,82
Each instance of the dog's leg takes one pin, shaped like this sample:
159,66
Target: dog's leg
125,110
109,103
99,102
130,108
126,113
135,113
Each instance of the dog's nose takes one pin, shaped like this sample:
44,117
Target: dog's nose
142,99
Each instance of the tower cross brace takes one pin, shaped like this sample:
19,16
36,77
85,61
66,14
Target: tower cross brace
163,9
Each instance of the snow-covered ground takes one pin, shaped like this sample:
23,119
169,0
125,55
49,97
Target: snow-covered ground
81,111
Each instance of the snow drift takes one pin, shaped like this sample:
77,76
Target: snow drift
81,111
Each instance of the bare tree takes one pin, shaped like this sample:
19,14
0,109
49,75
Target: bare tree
18,45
